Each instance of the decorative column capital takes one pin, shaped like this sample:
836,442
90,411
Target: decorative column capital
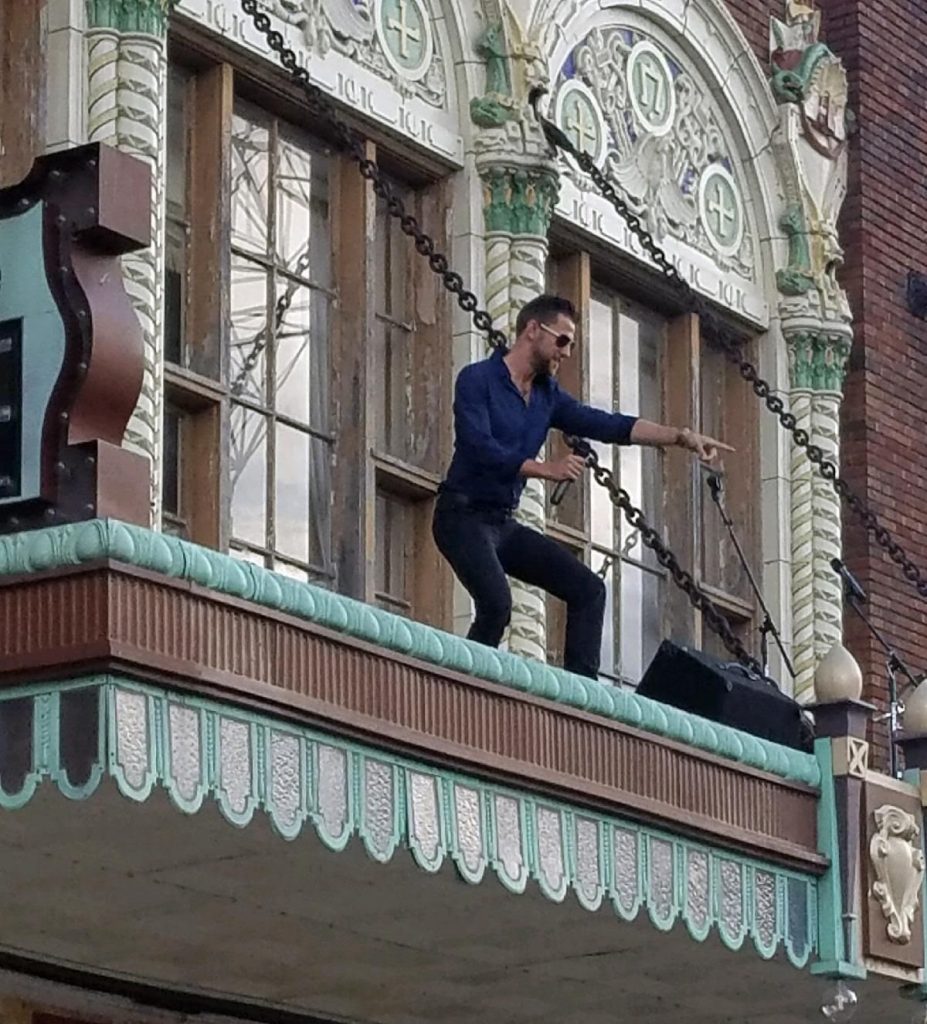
818,357
148,17
519,200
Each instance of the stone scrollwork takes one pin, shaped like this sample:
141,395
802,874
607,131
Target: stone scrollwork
664,143
898,863
392,38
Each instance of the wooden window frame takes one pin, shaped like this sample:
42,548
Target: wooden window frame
361,466
571,273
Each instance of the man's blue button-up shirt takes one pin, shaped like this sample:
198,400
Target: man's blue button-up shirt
496,429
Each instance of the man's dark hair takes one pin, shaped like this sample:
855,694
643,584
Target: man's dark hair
544,309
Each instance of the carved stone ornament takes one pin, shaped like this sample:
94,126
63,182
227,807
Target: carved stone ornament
392,38
664,142
810,83
898,862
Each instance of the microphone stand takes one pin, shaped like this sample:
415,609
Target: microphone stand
893,665
768,627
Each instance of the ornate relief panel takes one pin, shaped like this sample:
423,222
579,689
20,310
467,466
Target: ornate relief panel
629,95
385,58
894,859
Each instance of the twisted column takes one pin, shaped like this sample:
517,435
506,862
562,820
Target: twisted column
828,593
817,361
528,635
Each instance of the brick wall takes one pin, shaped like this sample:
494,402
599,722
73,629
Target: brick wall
883,231
753,18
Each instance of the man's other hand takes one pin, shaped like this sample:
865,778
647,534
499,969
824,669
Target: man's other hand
570,467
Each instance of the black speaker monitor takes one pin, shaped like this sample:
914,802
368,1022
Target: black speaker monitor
724,692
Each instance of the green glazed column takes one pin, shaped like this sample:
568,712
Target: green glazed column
126,108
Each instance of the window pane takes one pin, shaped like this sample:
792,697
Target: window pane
248,469
641,622
295,572
610,661
640,341
291,521
254,557
600,360
396,393
175,268
394,352
170,488
302,355
394,538
176,216
250,169
303,235
249,329
302,523
725,414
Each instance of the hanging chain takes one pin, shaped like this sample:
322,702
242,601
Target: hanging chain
353,144
722,337
712,615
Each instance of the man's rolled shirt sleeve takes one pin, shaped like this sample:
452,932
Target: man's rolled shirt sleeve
573,417
473,434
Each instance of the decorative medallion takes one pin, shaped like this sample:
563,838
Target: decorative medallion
579,116
405,34
651,88
665,143
721,209
898,861
391,38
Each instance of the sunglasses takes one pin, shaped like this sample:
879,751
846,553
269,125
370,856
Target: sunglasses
561,340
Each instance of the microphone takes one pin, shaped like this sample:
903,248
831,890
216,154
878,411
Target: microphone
853,589
559,492
579,447
715,485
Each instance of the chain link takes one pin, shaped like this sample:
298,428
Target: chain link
722,337
352,143
712,615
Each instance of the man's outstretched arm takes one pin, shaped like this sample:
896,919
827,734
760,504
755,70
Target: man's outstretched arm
572,417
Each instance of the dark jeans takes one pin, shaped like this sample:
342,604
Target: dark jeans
485,545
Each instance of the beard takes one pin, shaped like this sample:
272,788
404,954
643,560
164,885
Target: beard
543,366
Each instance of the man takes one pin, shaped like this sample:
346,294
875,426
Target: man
503,409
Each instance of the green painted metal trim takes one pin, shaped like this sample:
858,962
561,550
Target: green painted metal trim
830,900
140,755
147,17
97,539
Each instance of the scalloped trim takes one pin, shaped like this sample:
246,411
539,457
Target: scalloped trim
199,750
